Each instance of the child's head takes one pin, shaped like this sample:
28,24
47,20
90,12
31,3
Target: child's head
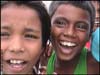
25,29
85,5
71,26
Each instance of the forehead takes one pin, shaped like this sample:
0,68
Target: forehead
69,7
18,11
20,15
72,12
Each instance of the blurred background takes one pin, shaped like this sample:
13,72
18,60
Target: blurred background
47,3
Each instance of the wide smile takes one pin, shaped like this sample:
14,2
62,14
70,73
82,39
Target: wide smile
16,65
67,46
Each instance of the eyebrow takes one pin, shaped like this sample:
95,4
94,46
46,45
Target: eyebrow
31,30
5,27
26,29
61,18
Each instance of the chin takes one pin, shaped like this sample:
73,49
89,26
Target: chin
65,57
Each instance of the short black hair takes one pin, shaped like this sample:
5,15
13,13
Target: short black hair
42,12
85,5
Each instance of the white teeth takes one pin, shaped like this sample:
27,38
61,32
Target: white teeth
68,44
16,61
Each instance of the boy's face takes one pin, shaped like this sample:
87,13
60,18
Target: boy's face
21,39
70,31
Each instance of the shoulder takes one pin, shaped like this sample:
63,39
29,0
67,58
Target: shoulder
91,59
92,64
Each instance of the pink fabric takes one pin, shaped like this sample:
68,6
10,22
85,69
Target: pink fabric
88,45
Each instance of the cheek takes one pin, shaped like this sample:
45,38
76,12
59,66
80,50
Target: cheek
4,45
83,37
55,32
34,49
54,35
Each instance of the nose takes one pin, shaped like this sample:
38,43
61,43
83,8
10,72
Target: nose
69,31
16,45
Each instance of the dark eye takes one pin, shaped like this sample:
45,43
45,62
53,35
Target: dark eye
81,26
30,36
4,35
60,23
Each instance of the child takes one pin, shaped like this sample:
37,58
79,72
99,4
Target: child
25,29
71,26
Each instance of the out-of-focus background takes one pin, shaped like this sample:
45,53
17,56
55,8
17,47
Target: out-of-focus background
47,3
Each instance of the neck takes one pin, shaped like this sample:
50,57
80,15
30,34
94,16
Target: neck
63,66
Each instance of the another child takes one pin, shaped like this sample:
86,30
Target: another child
25,29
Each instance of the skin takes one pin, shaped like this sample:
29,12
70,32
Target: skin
21,38
69,27
97,9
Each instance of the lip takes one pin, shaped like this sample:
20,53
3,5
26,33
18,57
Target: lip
68,41
15,68
66,50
